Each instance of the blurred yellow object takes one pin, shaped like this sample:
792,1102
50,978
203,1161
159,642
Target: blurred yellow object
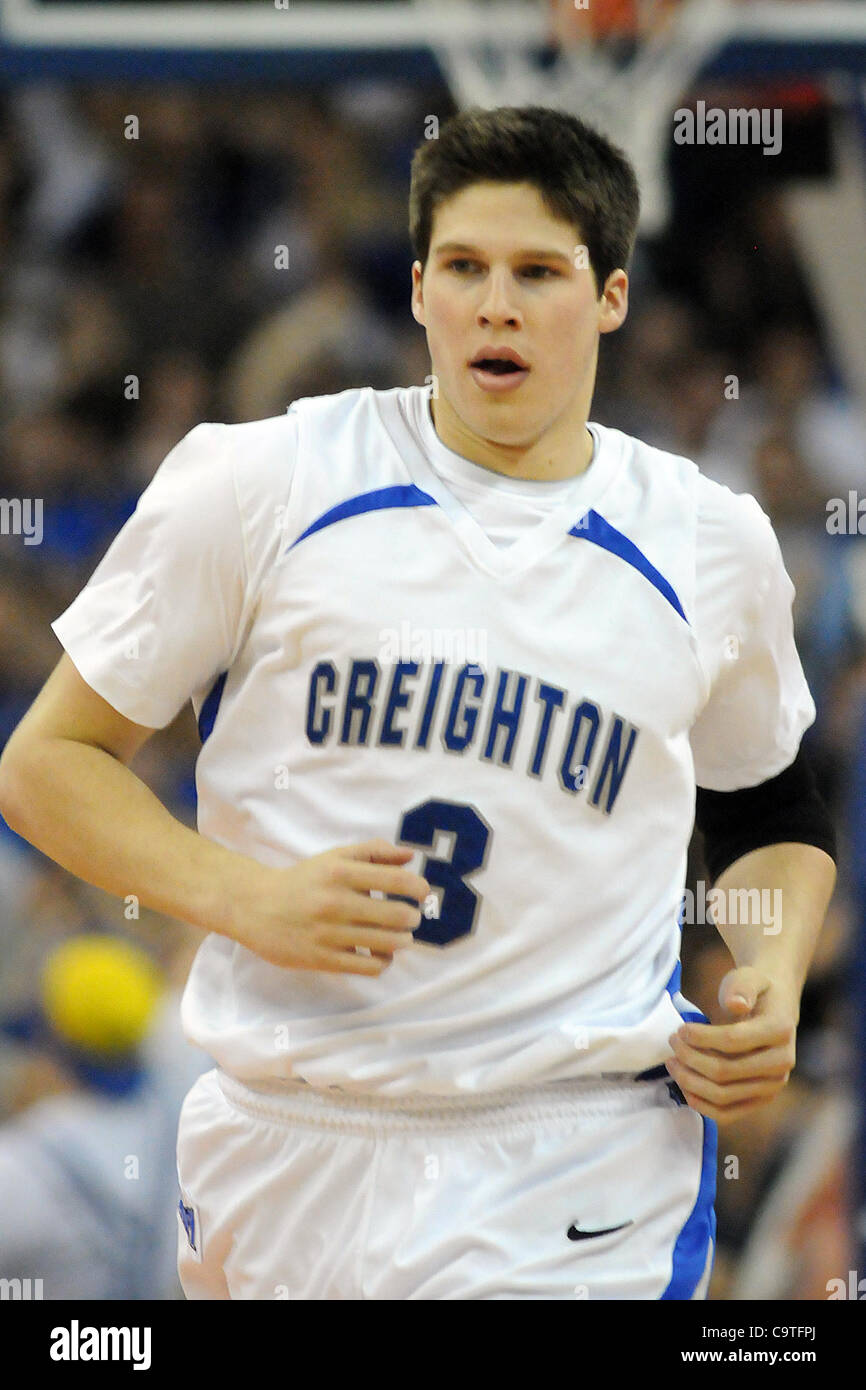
99,993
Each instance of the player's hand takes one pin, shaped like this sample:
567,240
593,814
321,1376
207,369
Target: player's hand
319,914
726,1070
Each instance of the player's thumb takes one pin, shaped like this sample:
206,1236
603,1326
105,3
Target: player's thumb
740,990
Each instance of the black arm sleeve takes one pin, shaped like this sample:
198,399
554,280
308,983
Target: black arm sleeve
787,808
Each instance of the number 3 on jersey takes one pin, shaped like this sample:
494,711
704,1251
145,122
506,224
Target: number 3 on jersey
458,907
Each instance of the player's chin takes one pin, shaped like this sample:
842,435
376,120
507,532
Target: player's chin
512,423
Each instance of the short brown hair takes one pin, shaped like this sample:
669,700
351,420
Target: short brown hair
582,177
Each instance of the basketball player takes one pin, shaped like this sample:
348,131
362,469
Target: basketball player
459,659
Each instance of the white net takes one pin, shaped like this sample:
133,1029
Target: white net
628,90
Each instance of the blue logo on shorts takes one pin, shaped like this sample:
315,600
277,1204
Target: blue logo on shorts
187,1218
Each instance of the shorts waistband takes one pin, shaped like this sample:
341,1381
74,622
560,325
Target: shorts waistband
294,1102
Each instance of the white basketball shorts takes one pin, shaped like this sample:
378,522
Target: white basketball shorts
571,1190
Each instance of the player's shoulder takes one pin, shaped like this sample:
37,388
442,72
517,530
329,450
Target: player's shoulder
255,459
726,522
279,435
734,524
235,476
654,489
649,465
249,440
213,450
314,452
360,406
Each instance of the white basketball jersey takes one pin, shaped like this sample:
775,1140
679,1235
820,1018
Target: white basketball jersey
364,660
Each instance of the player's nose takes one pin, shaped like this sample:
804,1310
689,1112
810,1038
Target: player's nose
497,304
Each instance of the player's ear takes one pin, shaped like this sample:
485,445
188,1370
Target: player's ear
417,293
613,302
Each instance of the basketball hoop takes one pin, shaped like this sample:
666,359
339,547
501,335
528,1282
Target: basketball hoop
601,20
621,65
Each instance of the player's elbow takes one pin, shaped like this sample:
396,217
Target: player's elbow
8,785
15,780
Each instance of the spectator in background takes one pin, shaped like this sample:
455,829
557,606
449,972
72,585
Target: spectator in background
88,1182
789,396
327,338
640,377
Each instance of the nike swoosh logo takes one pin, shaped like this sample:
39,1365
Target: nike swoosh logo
575,1233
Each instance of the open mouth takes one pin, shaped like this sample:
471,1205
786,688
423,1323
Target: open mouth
499,366
497,375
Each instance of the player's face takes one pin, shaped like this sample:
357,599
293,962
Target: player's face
504,273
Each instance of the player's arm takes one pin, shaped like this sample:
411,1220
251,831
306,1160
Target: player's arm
777,838
65,785
801,879
764,829
772,845
164,612
725,1070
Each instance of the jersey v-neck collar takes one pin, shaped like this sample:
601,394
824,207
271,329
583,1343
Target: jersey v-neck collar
421,443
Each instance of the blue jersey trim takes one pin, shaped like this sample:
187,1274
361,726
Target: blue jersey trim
407,495
693,1242
593,527
675,980
208,713
688,1015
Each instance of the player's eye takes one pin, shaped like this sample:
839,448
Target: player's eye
462,265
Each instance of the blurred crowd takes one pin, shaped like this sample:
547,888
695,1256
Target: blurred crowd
173,254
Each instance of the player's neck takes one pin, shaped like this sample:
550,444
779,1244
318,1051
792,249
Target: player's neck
563,452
